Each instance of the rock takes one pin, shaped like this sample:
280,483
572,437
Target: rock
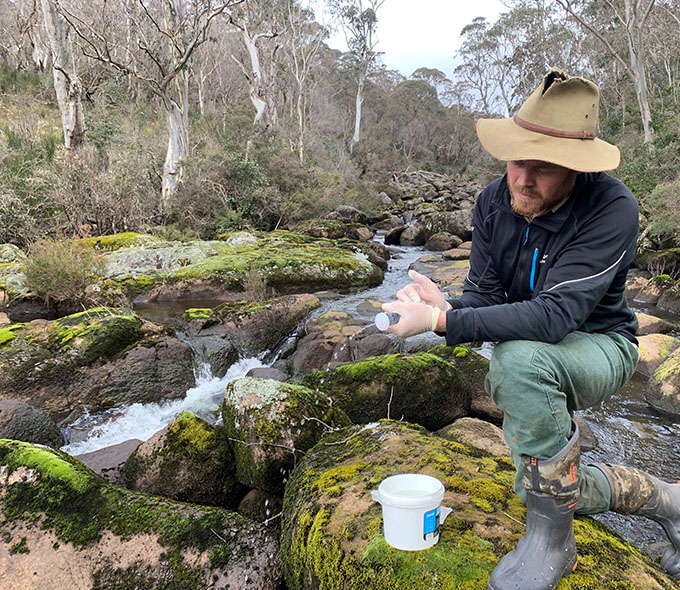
663,388
101,357
336,337
458,223
108,462
421,388
649,292
64,527
244,328
332,534
442,241
4,320
636,280
456,254
261,507
649,324
477,433
473,368
448,274
349,214
384,199
393,236
334,228
19,421
587,439
271,425
669,300
654,350
268,373
388,221
413,235
188,460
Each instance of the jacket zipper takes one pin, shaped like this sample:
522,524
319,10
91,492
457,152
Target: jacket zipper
532,277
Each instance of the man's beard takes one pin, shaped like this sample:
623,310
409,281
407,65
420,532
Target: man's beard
539,206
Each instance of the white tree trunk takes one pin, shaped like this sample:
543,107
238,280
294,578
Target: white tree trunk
357,112
178,140
66,82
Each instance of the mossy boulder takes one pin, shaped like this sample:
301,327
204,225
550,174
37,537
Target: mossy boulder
334,229
188,460
663,388
332,530
127,240
659,262
246,327
271,424
63,527
100,357
289,262
422,388
654,350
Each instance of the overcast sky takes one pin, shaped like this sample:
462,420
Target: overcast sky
425,33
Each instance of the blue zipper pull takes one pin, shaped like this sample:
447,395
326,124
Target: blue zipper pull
526,237
533,270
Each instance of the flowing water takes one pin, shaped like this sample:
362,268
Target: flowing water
627,429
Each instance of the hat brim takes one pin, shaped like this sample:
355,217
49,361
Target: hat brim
505,140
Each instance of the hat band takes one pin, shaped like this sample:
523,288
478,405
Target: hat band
553,132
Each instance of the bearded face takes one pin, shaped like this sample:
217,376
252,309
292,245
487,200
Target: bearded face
536,186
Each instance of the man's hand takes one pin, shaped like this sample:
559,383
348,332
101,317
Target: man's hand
422,290
414,318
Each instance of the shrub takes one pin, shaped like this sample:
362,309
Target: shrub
63,271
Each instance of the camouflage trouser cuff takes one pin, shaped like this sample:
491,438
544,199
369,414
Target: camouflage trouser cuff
557,476
631,488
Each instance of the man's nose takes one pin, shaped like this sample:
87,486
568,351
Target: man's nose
526,177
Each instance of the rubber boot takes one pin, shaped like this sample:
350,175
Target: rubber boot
637,492
547,552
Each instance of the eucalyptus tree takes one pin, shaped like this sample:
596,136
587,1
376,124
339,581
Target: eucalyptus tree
166,35
21,43
359,21
629,18
301,48
67,84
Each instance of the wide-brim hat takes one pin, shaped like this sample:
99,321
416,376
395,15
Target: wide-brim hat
556,124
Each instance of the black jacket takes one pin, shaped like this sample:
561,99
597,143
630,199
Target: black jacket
562,272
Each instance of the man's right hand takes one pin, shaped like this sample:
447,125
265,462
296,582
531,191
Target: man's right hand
422,290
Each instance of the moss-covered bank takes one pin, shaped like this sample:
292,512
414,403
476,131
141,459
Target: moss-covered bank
51,493
332,530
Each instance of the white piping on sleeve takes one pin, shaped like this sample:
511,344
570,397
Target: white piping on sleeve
606,270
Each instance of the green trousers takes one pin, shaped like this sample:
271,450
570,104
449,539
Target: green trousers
538,386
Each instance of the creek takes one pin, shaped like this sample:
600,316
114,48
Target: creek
627,429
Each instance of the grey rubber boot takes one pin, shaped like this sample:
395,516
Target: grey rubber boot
547,552
637,492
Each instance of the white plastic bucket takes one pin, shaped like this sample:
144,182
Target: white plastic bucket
411,509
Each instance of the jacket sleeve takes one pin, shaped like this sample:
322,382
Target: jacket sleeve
602,247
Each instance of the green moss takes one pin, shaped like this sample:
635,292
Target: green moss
8,334
95,333
122,240
198,313
65,497
19,547
193,434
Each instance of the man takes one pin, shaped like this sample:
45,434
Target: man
552,243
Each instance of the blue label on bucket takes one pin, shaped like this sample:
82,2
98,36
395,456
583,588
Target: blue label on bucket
430,521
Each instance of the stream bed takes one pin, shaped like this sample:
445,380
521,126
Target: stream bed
627,429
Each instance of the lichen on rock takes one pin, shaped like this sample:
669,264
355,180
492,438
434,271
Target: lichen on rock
271,425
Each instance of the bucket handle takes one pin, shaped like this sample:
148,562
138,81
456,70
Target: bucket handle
443,513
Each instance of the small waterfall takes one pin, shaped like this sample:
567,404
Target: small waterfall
141,421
